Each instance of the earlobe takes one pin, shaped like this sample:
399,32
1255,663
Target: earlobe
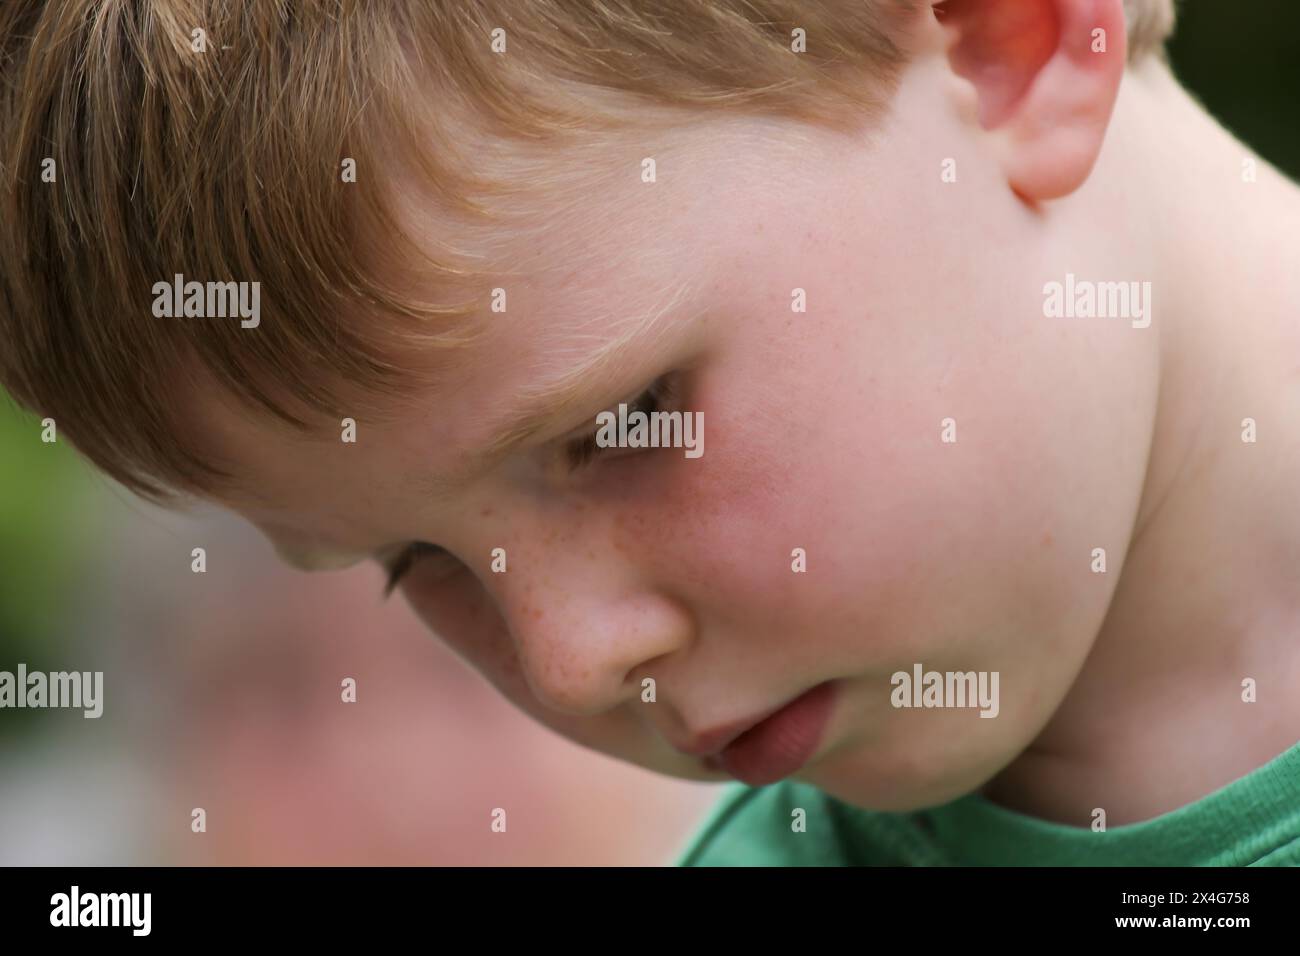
1046,73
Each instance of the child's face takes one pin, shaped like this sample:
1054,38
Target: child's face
822,431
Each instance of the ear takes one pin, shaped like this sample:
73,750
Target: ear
1046,73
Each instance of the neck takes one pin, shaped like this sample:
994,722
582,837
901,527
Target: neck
1208,596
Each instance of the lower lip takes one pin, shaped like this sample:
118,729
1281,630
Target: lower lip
780,745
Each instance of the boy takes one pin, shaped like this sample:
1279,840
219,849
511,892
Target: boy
989,553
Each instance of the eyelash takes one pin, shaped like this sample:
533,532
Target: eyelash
407,559
577,452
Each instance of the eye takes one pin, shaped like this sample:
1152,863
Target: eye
409,556
583,450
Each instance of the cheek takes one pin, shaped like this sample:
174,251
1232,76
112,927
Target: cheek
914,548
719,532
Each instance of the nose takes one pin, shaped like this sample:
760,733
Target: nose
587,634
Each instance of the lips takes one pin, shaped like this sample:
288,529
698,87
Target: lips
775,746
715,741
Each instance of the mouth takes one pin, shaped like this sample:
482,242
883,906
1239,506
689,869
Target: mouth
778,744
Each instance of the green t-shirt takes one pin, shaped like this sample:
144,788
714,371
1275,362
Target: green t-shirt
1253,821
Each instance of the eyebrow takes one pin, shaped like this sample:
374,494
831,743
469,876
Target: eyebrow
538,407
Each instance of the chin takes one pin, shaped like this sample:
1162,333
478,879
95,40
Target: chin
887,787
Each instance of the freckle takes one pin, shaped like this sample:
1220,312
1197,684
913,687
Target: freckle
485,513
1047,538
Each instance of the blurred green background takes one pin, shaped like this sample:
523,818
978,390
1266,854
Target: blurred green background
42,492
1242,60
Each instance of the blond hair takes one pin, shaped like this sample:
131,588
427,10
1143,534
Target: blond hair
141,139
